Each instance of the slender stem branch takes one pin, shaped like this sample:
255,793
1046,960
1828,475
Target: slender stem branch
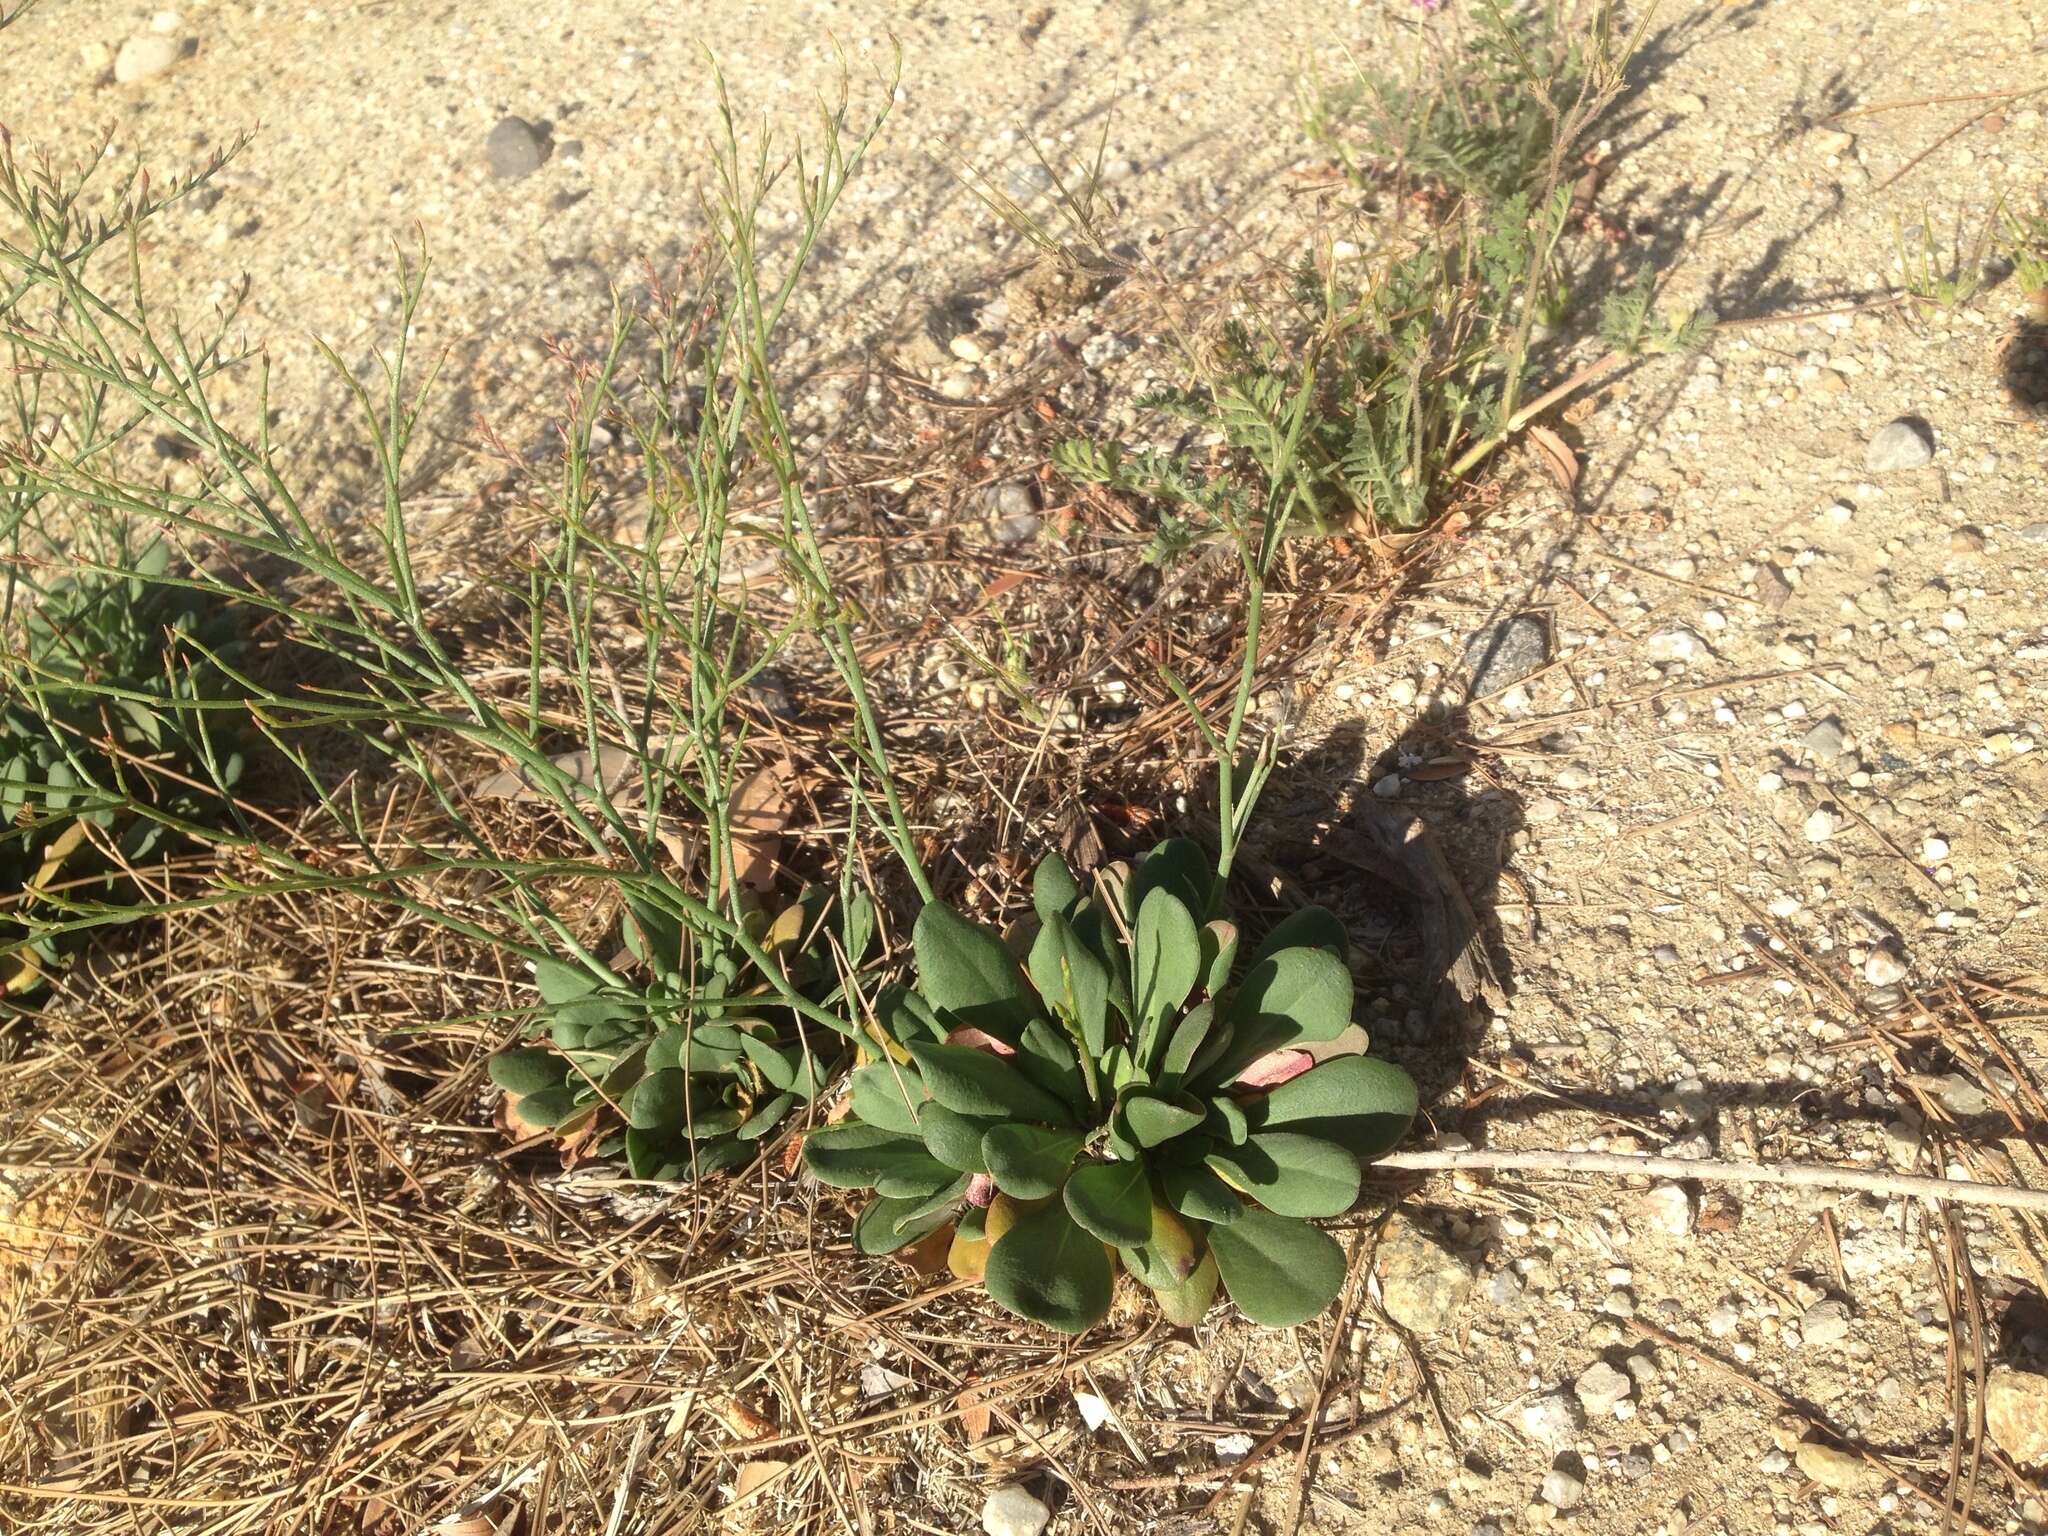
1481,450
1708,1170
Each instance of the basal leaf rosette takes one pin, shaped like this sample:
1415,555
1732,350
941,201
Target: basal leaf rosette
1130,1091
682,1059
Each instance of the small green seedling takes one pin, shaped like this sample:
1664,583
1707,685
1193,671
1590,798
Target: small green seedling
1942,279
2024,242
1136,1093
685,1070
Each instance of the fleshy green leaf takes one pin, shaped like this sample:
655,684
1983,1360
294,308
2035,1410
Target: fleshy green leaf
889,1094
1046,1057
1186,1303
1180,866
943,1199
1046,1268
529,1069
1072,978
1094,927
704,1157
1168,1256
654,936
560,983
705,1048
1227,1121
789,1068
648,1153
1364,1105
904,1016
857,925
548,1108
1219,953
1166,959
590,1012
1295,995
1029,1162
777,1065
1198,1193
976,1082
1309,928
916,1178
1054,890
876,1229
964,971
853,1156
1155,1120
660,1101
1290,1174
1278,1270
1199,1033
1112,1200
955,1139
766,1116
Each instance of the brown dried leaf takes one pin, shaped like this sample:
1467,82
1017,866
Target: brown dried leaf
927,1256
1442,768
743,1421
756,1475
1557,457
615,771
759,811
1718,1213
974,1413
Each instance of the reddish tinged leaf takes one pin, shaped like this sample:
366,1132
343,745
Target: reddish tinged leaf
981,1189
1274,1068
980,1040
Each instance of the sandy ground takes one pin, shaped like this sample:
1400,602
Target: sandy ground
1775,790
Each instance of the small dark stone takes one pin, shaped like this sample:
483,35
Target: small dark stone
515,148
1501,655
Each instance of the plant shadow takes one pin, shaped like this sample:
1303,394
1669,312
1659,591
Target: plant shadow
1414,876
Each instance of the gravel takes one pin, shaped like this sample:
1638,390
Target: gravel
1601,1389
1552,1420
1501,655
1562,1488
1013,511
1824,1323
1904,443
1670,1209
1842,1471
146,56
1422,1283
1013,1510
1825,740
2016,1413
514,148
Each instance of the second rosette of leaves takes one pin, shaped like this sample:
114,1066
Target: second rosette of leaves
1136,1092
